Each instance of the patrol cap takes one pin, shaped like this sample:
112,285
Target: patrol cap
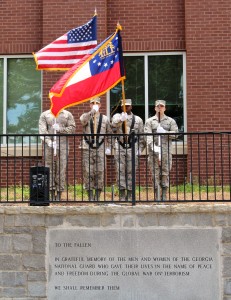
160,102
127,102
95,100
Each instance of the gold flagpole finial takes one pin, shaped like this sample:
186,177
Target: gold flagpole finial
95,11
118,27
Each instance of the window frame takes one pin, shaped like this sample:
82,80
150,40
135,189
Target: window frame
5,72
146,96
180,147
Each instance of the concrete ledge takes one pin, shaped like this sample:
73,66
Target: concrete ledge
118,209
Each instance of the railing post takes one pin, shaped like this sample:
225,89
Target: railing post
133,167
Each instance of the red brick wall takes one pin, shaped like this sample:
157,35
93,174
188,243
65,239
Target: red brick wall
208,41
15,171
21,26
150,25
200,27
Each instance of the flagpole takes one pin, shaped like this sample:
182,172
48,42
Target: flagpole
159,157
55,146
124,107
119,27
95,124
159,138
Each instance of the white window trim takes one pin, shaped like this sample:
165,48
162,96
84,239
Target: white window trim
18,151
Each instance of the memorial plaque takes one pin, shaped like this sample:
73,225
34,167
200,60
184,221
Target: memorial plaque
133,264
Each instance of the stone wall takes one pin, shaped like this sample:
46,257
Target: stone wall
23,237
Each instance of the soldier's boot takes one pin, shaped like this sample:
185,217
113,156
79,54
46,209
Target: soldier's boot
59,196
129,195
90,195
164,193
52,195
122,195
97,194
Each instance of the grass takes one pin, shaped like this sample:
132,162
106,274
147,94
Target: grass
188,188
193,192
187,192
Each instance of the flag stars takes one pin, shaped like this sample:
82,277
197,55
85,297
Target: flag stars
83,33
105,59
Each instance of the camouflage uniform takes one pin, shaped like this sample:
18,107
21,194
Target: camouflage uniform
93,151
57,164
123,154
160,174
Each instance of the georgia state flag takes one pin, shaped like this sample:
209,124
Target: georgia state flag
93,76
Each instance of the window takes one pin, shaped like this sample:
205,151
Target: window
20,95
1,95
150,77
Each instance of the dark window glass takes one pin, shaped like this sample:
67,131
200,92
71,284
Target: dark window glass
134,87
165,81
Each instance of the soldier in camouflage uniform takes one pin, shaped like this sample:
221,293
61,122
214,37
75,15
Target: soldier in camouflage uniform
160,147
94,149
56,148
123,151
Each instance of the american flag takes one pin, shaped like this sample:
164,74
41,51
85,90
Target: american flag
67,50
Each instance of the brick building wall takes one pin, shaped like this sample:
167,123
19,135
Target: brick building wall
21,27
208,40
149,25
202,28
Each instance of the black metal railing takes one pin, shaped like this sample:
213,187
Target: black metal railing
200,169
